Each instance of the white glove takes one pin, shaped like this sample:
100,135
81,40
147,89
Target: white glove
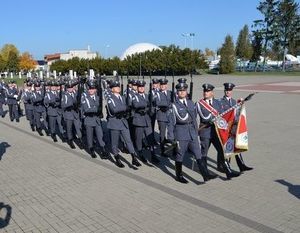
15,96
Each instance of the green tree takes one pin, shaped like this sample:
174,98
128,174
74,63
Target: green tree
243,48
2,64
287,26
7,49
227,61
12,63
265,27
257,41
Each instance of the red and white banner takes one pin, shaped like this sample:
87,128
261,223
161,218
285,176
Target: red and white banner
231,127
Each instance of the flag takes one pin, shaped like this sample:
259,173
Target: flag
231,128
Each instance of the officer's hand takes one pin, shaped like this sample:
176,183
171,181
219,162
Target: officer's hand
15,96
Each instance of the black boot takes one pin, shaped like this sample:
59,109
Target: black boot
240,162
39,130
141,156
32,128
203,171
154,158
80,144
92,152
162,150
53,136
71,144
179,175
209,175
135,162
103,153
47,131
118,161
230,173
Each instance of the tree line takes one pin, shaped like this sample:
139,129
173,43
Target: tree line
169,60
272,36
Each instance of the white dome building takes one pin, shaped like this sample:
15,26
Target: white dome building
138,48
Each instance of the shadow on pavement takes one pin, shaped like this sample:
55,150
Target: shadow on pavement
292,189
3,146
5,215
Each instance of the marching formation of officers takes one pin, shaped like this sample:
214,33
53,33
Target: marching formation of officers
72,110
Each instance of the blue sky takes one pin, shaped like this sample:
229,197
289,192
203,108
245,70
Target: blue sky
44,27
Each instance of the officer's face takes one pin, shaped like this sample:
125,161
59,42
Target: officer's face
182,94
92,91
208,94
134,87
155,85
37,88
141,89
70,89
228,93
53,88
116,90
163,87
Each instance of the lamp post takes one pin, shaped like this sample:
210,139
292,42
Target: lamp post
191,36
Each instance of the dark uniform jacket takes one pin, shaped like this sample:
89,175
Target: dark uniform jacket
163,104
182,121
206,118
140,105
90,108
117,111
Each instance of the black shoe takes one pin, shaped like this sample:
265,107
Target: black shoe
11,120
240,162
179,175
53,136
71,144
230,173
92,152
17,120
47,132
103,153
80,144
135,162
118,161
40,132
3,116
32,128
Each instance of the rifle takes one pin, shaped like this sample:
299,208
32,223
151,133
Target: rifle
191,86
79,93
150,94
100,94
60,89
228,110
173,89
122,85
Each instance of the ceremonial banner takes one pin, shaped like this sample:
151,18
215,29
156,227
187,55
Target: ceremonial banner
231,127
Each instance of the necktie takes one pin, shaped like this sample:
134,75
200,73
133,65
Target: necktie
120,98
210,102
229,100
184,103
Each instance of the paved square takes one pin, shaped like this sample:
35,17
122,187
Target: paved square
47,187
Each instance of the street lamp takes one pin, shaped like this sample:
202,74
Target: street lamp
191,36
